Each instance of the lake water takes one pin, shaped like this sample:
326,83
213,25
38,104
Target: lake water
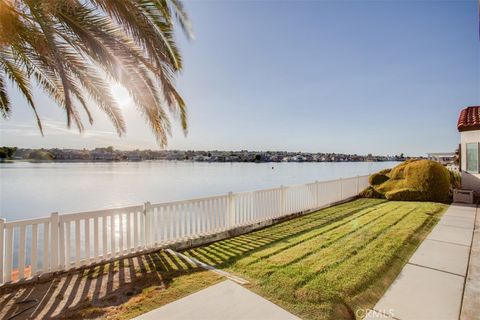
29,190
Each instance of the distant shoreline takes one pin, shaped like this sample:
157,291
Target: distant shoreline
175,160
109,154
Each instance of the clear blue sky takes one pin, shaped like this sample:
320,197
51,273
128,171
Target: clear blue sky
345,76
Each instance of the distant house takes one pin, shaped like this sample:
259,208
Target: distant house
134,156
299,158
442,157
469,128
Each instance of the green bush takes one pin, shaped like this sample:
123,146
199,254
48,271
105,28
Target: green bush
377,178
455,179
385,171
412,180
404,194
370,192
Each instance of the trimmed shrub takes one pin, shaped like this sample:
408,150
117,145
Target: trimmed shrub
385,171
377,178
455,179
404,194
412,180
370,192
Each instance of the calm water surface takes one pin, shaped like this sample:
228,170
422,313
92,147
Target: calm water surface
29,190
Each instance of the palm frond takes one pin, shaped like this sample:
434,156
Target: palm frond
46,24
75,49
97,88
133,19
21,80
4,100
183,18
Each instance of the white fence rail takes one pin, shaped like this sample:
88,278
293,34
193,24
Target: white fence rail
63,241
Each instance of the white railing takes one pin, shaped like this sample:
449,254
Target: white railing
64,241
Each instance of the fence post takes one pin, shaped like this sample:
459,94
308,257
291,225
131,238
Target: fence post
61,243
358,184
2,244
231,210
283,199
317,196
147,224
54,241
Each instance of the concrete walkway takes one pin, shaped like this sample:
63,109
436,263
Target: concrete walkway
432,283
223,301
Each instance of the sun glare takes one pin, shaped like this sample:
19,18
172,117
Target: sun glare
120,94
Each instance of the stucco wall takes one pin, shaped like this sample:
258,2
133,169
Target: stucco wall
469,181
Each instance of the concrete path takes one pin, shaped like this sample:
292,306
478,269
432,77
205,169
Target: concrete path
223,301
431,285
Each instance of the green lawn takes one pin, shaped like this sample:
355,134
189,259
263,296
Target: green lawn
325,265
331,263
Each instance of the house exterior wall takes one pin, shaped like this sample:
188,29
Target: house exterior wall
469,180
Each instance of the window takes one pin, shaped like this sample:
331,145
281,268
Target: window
472,158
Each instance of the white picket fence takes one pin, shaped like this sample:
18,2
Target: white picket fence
64,241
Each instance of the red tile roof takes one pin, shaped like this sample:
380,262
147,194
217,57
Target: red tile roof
469,119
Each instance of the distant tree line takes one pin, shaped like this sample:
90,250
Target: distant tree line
111,154
7,152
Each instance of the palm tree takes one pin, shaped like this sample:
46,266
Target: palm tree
75,49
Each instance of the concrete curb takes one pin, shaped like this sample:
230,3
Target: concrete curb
471,295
